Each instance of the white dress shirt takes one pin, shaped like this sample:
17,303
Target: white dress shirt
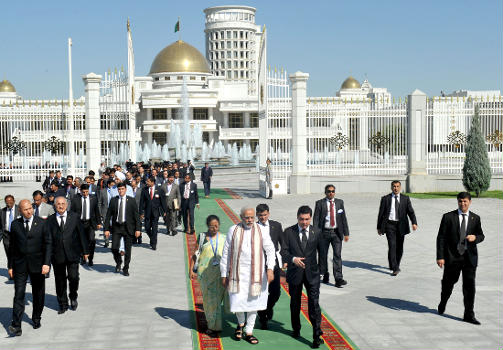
59,216
327,218
30,221
391,216
460,215
88,204
123,207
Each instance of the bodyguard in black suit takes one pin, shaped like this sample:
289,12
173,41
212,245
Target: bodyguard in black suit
69,243
29,256
152,205
276,233
86,207
8,214
190,199
392,221
123,220
206,174
459,233
330,219
301,247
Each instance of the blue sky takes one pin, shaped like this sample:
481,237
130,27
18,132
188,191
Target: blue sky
401,45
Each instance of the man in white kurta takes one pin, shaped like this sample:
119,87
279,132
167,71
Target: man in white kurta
244,295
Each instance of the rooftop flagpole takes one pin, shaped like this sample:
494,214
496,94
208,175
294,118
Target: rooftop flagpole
70,111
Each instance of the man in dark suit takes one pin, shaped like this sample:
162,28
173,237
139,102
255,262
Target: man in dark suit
29,256
8,214
124,221
392,221
275,231
206,174
301,244
152,205
330,219
54,191
69,243
48,180
459,233
86,207
190,199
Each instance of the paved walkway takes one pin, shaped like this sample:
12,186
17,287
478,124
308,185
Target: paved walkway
149,309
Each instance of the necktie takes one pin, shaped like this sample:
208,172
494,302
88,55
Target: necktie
121,211
151,193
332,214
186,193
27,226
397,204
304,239
36,210
11,217
84,209
61,223
462,236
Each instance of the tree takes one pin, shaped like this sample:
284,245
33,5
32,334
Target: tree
476,170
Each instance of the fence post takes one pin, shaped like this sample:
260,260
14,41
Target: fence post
93,143
300,181
417,177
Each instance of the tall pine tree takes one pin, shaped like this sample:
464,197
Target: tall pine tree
476,170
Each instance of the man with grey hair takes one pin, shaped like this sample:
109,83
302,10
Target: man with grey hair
245,253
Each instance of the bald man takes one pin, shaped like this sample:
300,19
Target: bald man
29,255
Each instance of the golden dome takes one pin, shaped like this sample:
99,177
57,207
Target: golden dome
179,57
6,86
350,83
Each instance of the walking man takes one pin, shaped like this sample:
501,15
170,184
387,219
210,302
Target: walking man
152,205
8,214
268,179
190,199
392,221
173,200
330,219
122,220
69,243
206,174
30,252
459,233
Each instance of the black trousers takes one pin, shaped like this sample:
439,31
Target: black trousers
451,276
395,245
151,227
119,231
91,237
6,243
37,291
274,294
187,214
314,311
331,238
207,188
62,272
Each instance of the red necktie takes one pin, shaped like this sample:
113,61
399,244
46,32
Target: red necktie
151,193
332,214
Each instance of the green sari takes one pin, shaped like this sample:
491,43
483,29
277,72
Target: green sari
211,283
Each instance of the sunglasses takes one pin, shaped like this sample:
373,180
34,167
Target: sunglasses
330,191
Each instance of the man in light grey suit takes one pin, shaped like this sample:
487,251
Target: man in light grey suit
41,208
104,198
172,192
136,191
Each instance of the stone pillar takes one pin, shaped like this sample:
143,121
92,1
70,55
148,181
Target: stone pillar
148,135
300,179
93,140
169,113
225,125
210,113
417,178
246,120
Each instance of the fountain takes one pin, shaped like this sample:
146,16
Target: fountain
234,155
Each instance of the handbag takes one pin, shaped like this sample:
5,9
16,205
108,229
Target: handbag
202,237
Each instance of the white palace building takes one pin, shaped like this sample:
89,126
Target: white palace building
224,103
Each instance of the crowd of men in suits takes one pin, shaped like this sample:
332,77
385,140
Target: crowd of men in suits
59,226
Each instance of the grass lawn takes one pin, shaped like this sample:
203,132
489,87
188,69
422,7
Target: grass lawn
429,195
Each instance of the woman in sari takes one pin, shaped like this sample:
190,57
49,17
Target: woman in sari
208,273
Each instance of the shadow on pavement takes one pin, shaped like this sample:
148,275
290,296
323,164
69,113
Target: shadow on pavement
103,268
182,317
247,193
365,266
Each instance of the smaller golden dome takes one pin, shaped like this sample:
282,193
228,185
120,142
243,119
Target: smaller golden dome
350,83
6,86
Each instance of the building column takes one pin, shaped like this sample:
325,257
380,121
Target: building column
225,126
210,113
148,135
300,181
169,113
93,140
417,178
246,120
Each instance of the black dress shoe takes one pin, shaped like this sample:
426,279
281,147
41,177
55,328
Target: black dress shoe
340,283
317,342
139,240
471,320
106,245
15,331
153,247
295,334
90,263
62,309
118,268
74,304
36,324
125,272
263,325
326,278
441,308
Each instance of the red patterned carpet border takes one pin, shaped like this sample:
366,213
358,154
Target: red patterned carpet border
231,193
204,341
331,335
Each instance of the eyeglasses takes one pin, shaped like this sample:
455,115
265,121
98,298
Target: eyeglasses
330,191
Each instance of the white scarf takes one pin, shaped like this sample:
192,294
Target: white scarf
256,256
